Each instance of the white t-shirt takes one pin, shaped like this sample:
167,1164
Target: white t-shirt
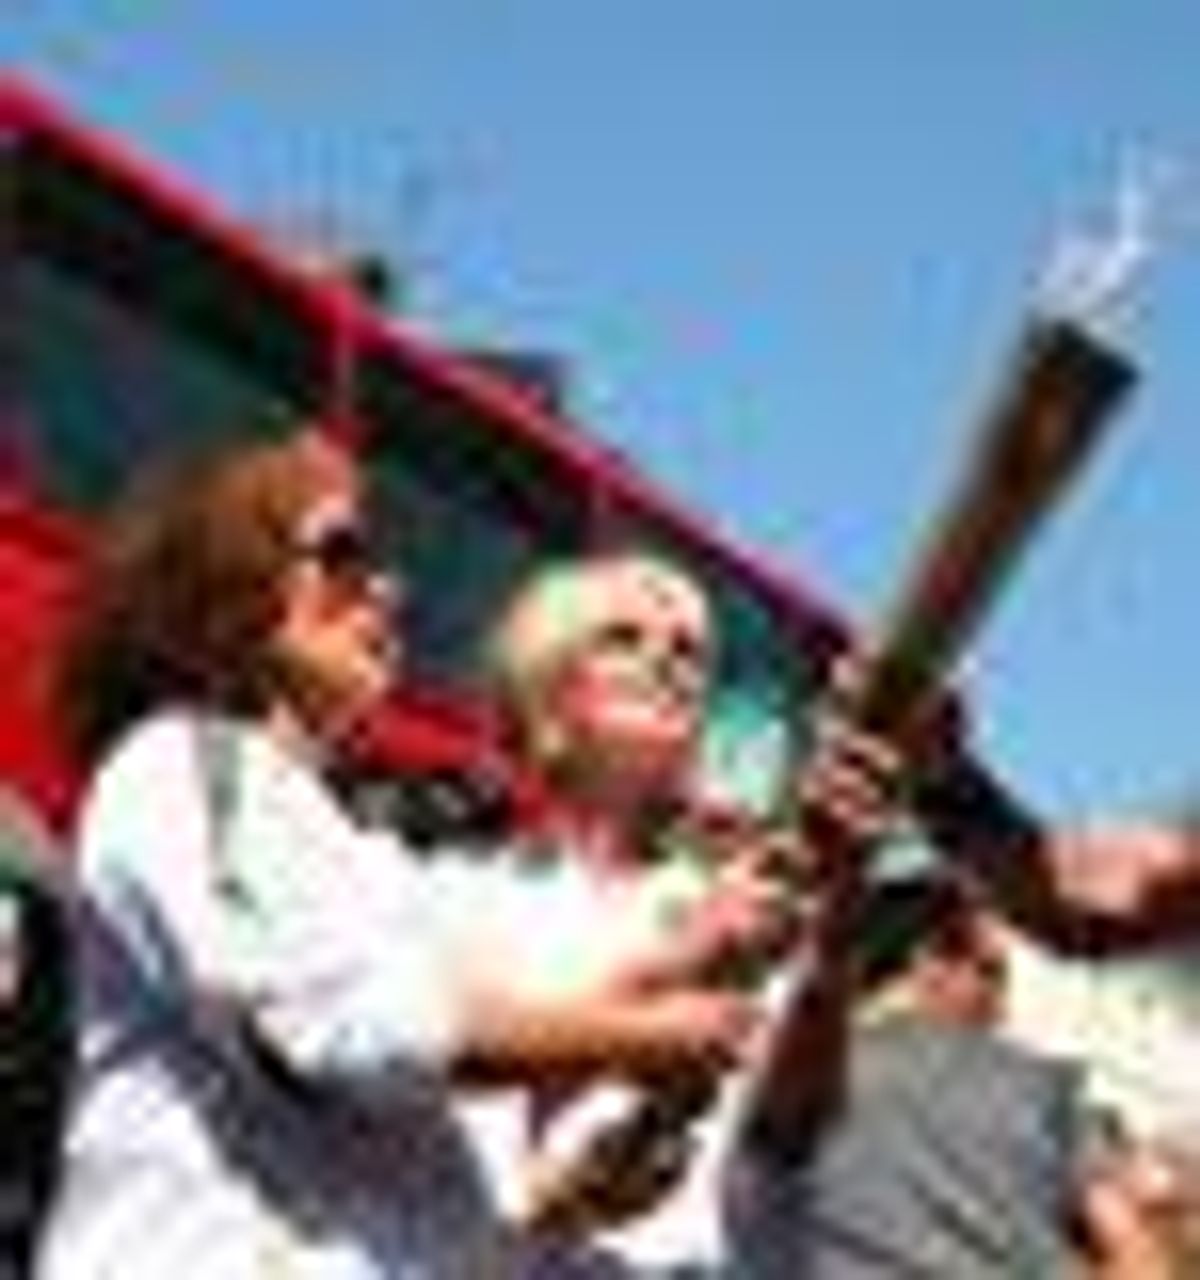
330,1152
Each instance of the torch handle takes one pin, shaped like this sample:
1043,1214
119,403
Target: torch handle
1052,408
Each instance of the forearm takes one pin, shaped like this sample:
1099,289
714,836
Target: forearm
681,959
1138,884
801,1072
1028,871
969,814
1086,892
698,956
518,1038
1122,1238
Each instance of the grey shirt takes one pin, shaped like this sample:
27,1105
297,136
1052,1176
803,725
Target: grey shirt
956,1156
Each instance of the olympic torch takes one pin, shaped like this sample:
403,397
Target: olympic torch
1056,396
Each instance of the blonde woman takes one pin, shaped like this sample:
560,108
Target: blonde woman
602,669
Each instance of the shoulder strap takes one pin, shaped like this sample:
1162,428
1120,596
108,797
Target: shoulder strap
217,751
220,759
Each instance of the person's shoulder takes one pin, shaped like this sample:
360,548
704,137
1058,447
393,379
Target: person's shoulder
176,740
911,1037
998,1061
153,746
154,781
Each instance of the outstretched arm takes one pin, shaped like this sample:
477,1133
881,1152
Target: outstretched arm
1092,891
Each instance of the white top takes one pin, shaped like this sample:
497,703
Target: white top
564,929
332,1152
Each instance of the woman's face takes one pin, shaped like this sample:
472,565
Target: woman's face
630,694
969,987
336,637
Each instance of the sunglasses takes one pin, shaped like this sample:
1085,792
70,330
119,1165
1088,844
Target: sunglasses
344,553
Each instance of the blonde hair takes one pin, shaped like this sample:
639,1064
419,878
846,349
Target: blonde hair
551,617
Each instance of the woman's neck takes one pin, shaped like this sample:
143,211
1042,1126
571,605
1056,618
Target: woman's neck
296,733
604,828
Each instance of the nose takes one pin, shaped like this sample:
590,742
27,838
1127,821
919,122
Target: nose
386,588
682,669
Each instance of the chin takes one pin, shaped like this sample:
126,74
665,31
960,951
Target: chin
361,691
659,763
374,686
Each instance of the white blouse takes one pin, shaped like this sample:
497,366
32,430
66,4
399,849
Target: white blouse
270,997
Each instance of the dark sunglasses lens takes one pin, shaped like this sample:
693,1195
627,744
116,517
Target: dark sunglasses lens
345,553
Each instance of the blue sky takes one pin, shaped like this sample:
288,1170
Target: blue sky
784,245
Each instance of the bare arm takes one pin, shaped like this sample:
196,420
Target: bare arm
800,1076
1086,892
1123,1239
520,1038
846,805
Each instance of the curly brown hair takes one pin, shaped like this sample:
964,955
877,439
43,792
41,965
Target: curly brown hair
183,591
